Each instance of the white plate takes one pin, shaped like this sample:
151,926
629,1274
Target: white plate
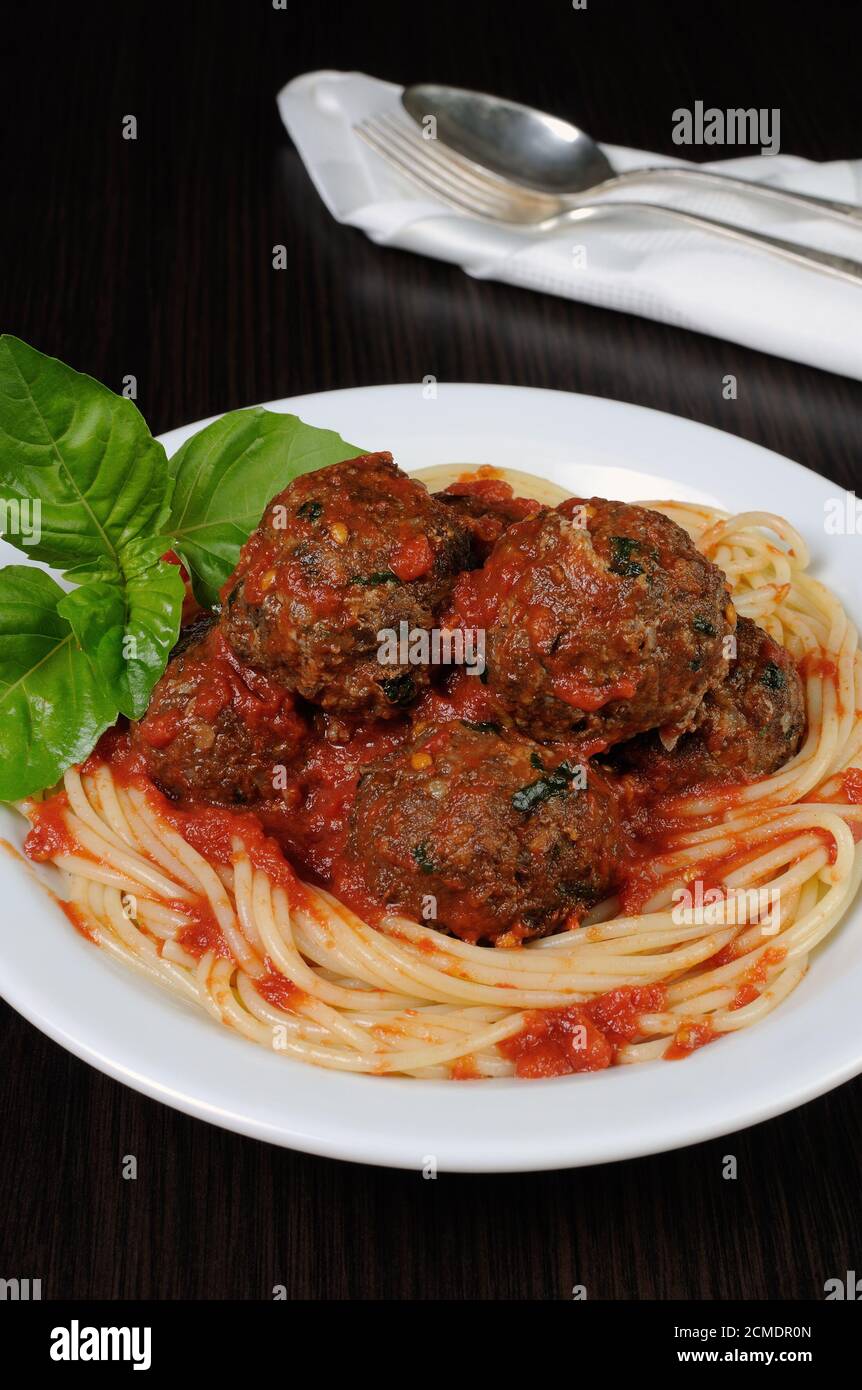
128,1028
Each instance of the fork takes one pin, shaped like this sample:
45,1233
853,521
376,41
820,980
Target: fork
450,178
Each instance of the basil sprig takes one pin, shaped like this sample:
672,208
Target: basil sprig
87,490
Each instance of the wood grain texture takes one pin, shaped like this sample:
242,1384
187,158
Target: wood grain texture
153,257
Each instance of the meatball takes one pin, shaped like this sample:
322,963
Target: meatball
602,620
487,507
217,731
506,839
340,555
748,726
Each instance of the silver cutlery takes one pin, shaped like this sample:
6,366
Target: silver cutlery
549,156
450,178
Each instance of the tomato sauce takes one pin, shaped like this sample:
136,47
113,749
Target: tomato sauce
494,507
852,785
278,990
203,933
752,982
191,607
591,697
819,665
160,730
688,1038
77,918
310,819
465,1069
557,1042
211,830
49,835
582,1037
462,696
725,956
619,1011
412,558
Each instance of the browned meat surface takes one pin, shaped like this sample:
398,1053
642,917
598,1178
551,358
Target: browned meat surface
502,834
340,555
602,620
217,730
487,507
748,726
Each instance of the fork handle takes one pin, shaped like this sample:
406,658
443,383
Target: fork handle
831,206
840,266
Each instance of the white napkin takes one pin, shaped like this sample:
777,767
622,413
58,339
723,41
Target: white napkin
628,261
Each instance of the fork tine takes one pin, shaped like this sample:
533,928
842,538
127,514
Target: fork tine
449,161
415,166
411,158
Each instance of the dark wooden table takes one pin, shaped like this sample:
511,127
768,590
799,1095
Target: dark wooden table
153,258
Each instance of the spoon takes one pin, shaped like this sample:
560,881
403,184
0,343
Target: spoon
546,155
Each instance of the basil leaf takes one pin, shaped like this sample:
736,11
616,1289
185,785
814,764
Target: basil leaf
53,707
84,487
139,555
128,630
84,455
224,477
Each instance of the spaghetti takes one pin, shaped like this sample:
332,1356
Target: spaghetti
288,966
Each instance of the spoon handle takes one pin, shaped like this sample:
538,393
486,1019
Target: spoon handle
831,206
841,267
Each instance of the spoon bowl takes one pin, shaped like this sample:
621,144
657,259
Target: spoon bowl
543,153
